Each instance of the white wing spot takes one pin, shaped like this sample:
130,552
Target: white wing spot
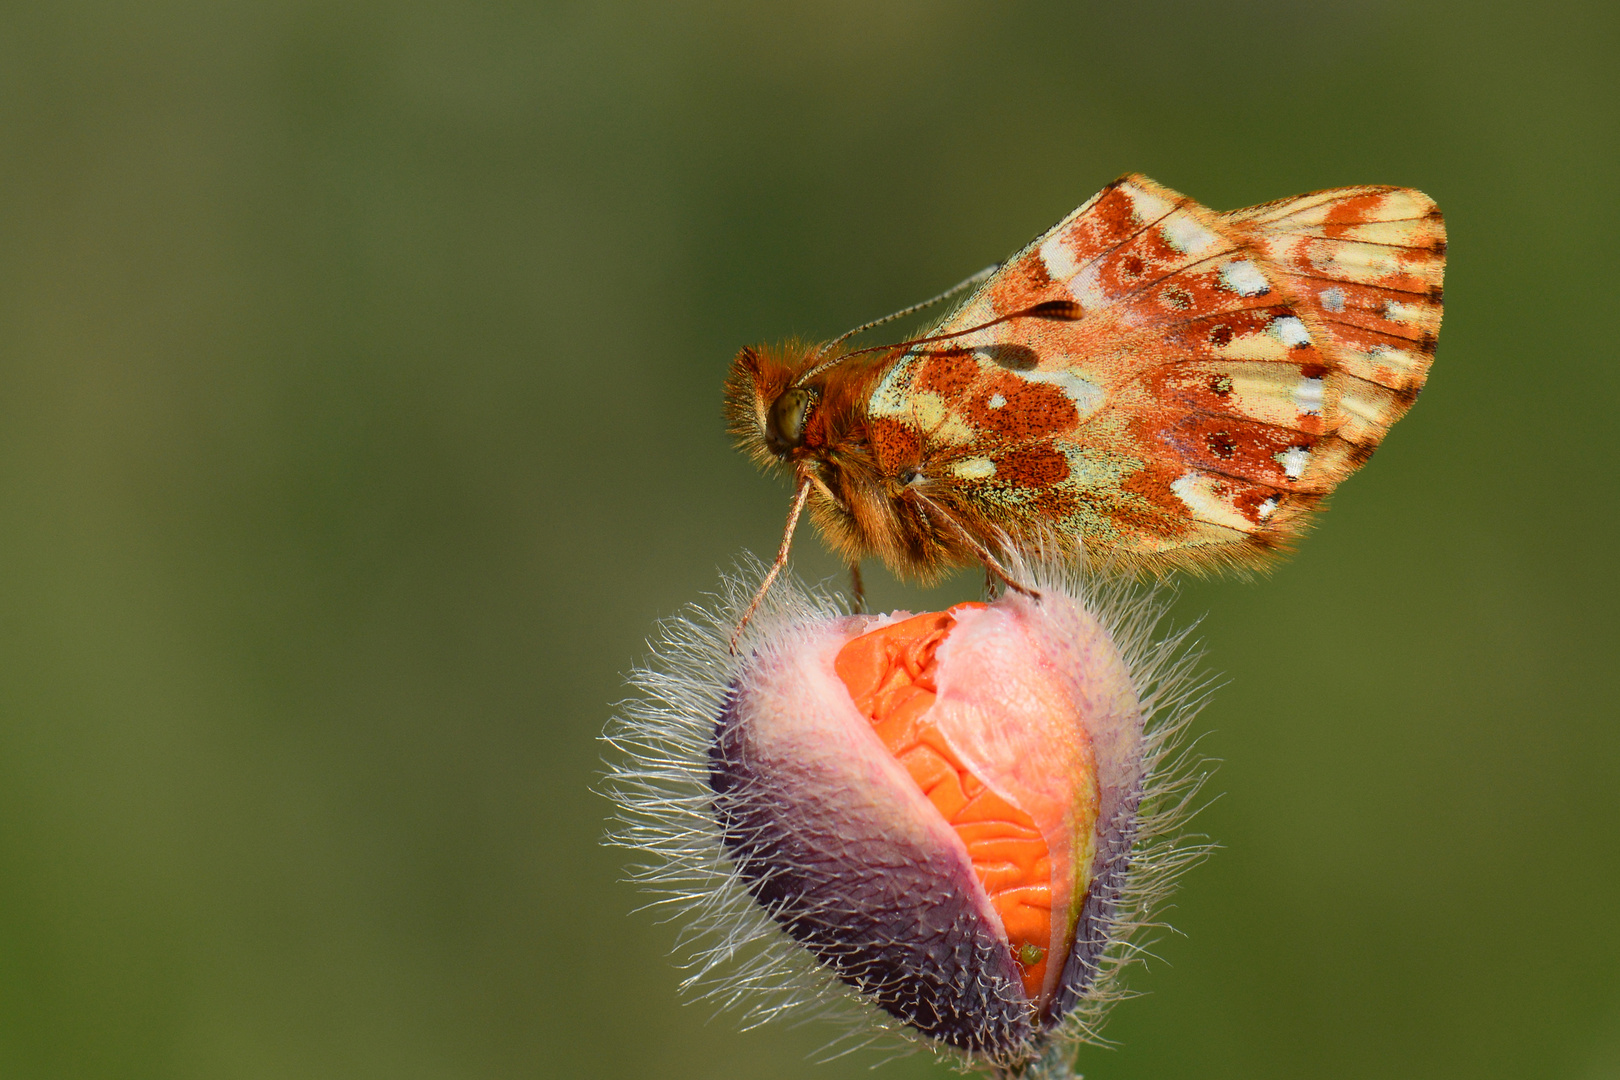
889,397
1061,264
1395,311
997,401
1291,331
1144,204
1332,299
928,409
1244,278
1186,235
974,468
1086,287
1267,508
1293,461
1186,488
1086,395
1308,396
1207,500
1398,361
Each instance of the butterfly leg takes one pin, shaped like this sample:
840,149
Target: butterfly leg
991,565
857,588
781,558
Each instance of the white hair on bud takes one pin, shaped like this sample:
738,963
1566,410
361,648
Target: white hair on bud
734,954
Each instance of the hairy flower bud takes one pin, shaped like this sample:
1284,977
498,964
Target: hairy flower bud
945,810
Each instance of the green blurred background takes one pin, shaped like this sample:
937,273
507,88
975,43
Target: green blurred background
359,415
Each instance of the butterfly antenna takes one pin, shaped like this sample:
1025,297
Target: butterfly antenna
966,283
1062,310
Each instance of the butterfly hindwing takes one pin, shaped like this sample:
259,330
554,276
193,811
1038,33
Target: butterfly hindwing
1224,373
1367,263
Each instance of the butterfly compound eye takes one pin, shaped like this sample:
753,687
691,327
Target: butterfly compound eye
784,428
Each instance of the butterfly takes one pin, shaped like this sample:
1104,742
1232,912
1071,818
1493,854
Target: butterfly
1151,385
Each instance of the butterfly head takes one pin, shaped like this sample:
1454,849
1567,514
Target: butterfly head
769,415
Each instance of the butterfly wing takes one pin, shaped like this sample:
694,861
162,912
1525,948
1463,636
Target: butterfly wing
1225,372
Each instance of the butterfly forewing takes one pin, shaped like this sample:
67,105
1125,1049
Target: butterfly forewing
1225,373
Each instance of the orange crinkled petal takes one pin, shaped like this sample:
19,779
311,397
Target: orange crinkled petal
890,675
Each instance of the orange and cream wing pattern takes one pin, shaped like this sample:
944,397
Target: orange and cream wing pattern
1367,263
1224,373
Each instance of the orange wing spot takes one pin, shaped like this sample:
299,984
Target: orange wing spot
1237,448
890,675
896,445
948,373
1033,466
1027,410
